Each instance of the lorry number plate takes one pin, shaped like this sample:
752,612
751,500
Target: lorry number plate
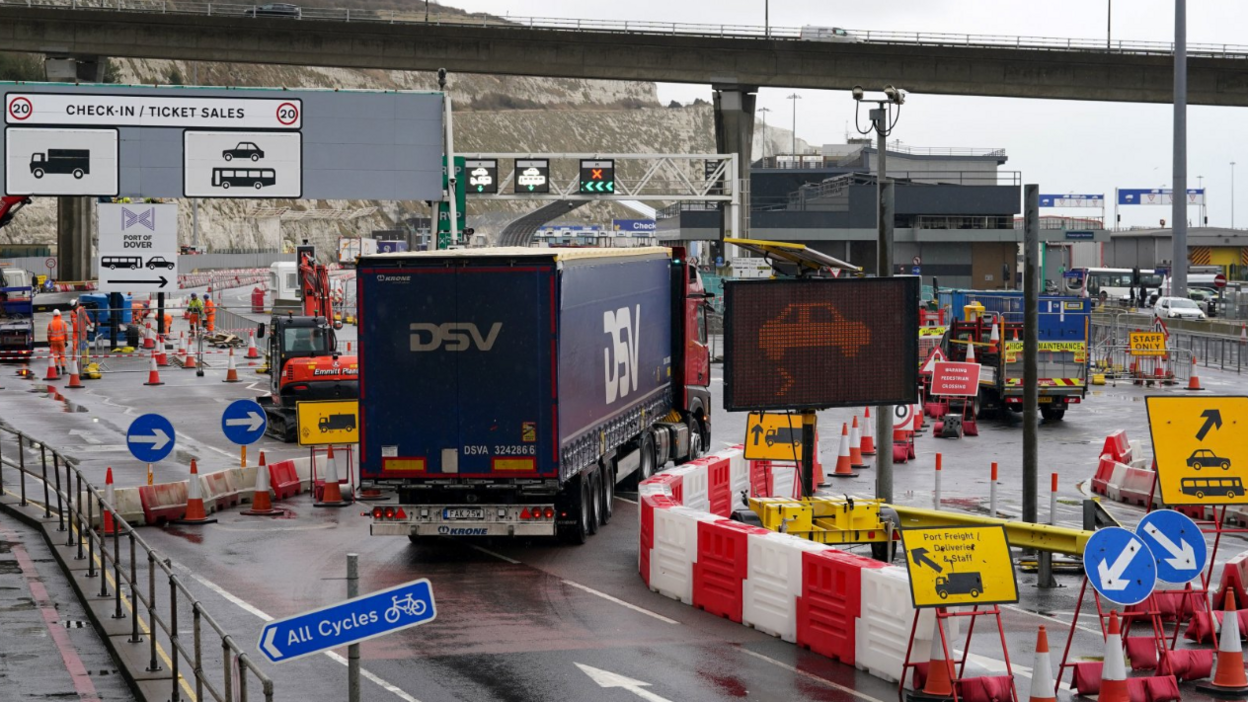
1044,399
463,513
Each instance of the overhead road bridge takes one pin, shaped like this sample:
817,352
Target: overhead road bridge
721,55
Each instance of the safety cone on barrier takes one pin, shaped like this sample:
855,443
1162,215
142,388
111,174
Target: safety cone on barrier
252,352
1043,688
75,380
970,352
1193,381
331,494
993,340
231,371
1228,677
844,465
153,373
939,671
1113,671
868,434
51,374
855,445
195,513
261,501
110,526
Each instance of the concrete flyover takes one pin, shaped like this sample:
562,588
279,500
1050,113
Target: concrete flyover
990,66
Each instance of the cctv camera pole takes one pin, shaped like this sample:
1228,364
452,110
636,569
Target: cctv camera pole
883,269
1178,274
451,179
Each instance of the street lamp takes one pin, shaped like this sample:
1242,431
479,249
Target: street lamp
795,97
763,111
1232,194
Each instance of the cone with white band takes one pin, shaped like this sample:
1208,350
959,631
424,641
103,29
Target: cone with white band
331,494
1228,678
51,374
844,465
1113,670
149,337
195,513
153,373
231,371
1043,688
75,380
261,500
868,434
110,496
855,445
252,352
1193,381
939,672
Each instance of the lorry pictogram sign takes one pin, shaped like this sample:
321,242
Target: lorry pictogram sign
328,422
773,436
1198,444
959,565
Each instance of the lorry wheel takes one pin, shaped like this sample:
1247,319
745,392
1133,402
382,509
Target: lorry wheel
695,439
576,504
608,490
594,498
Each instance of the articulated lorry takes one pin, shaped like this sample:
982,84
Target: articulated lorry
17,314
507,391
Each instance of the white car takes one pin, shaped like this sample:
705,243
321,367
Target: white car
1177,308
836,34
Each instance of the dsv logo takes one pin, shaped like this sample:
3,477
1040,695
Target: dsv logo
620,356
452,336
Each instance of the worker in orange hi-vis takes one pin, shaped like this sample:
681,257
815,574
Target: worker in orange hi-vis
80,325
210,314
58,334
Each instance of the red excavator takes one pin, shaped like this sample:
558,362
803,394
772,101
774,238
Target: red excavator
10,205
303,359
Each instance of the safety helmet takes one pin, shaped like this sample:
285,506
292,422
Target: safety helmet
56,313
207,297
73,302
194,296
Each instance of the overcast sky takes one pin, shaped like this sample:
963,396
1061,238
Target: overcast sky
1066,146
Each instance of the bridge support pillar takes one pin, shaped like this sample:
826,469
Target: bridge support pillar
73,214
734,133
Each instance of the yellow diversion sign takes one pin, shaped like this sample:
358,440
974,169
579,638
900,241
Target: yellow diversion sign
773,437
1202,458
1147,344
328,422
959,565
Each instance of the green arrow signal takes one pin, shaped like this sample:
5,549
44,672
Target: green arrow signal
610,186
530,188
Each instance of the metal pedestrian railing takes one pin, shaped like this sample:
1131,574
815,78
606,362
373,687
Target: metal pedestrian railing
1210,350
218,667
1174,367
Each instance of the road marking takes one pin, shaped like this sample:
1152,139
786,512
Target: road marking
1015,608
811,676
625,499
255,611
585,588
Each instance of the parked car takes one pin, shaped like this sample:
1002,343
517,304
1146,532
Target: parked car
244,150
1177,308
1202,297
833,34
278,9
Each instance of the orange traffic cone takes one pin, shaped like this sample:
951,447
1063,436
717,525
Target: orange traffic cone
153,374
1228,679
331,494
1043,688
1193,381
162,358
188,360
195,513
51,374
816,461
844,465
149,340
252,352
261,500
993,339
939,671
75,381
110,526
970,352
231,371
868,434
855,445
1113,671
1243,333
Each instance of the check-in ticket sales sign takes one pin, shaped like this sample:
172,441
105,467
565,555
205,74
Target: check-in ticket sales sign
152,111
955,379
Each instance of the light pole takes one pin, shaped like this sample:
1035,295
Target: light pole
1109,23
767,18
795,97
763,111
1232,194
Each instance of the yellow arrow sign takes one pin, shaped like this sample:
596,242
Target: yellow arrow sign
328,422
1198,442
773,437
959,565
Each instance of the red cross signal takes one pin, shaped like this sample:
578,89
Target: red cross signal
596,174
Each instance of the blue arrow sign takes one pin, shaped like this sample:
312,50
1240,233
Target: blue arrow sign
243,422
150,438
1120,566
1177,545
377,614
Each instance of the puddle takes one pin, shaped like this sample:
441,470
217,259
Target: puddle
191,536
51,392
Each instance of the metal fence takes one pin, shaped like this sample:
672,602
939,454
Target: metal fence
1111,331
78,507
1174,367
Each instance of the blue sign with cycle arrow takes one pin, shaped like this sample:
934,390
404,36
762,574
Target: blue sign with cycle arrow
1120,566
1177,544
243,422
376,614
150,438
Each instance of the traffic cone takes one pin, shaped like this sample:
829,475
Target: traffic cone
1193,381
1113,671
970,352
994,339
817,462
855,445
1043,688
252,352
868,434
162,358
331,494
149,339
75,381
261,501
188,360
1243,333
939,671
110,526
844,465
153,374
195,513
231,371
1228,679
51,374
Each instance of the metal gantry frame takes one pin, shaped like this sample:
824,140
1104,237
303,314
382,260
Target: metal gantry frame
665,178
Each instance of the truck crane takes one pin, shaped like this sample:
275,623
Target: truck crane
302,354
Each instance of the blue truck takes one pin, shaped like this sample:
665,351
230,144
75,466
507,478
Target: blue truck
506,392
17,314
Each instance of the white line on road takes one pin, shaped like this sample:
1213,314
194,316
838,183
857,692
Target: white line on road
625,499
499,556
811,676
251,609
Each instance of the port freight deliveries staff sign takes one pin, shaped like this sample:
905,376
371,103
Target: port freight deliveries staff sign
204,142
959,565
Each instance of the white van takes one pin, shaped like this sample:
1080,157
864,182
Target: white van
835,34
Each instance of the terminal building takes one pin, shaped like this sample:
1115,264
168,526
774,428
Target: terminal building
955,210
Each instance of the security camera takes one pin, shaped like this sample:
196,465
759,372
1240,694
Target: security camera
857,91
894,95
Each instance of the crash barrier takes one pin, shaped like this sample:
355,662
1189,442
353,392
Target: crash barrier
844,606
204,655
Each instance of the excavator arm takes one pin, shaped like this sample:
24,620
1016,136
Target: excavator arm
10,205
